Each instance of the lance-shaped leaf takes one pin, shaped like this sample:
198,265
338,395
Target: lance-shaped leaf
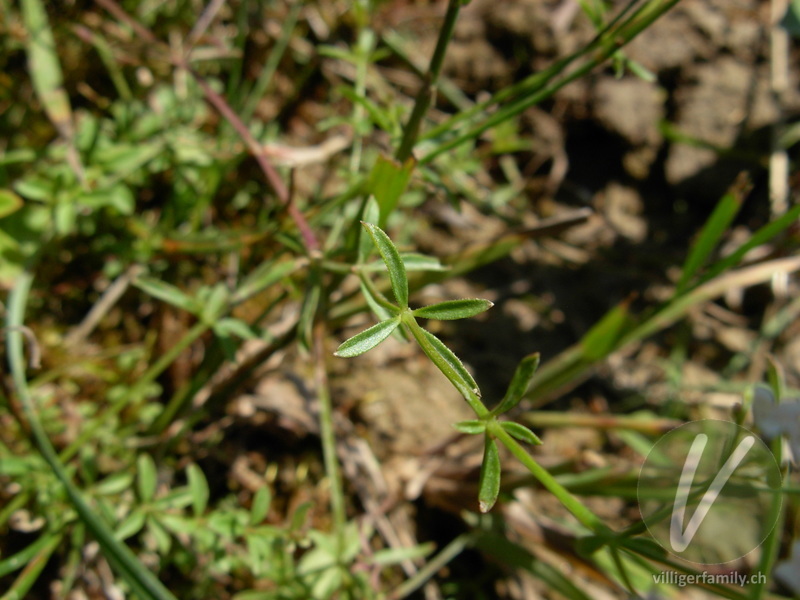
390,256
166,292
522,433
447,362
367,339
489,485
454,309
519,383
413,261
471,427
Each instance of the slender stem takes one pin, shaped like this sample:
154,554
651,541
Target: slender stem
430,569
141,580
327,433
425,94
607,47
586,517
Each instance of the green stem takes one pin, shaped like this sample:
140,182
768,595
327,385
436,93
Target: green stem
586,517
142,581
328,434
607,47
430,569
425,95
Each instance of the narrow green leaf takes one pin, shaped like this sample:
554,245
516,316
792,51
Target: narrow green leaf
160,535
147,477
9,203
390,255
33,568
299,517
470,427
370,214
367,339
141,580
260,506
489,485
17,561
166,292
379,304
602,338
454,309
759,237
387,182
415,261
522,433
265,275
448,363
131,525
198,486
44,67
394,556
230,326
716,225
519,383
114,484
308,311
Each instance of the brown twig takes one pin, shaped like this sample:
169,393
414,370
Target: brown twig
224,109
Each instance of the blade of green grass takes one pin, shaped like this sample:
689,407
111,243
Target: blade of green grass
141,579
724,213
35,562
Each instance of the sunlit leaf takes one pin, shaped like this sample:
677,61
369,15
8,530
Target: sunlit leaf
489,485
519,383
522,433
388,181
367,339
146,477
454,309
262,500
470,427
198,486
9,203
166,292
447,362
390,255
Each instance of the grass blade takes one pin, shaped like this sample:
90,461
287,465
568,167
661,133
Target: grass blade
142,581
390,255
727,208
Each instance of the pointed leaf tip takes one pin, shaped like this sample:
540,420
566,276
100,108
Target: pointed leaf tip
519,383
394,263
